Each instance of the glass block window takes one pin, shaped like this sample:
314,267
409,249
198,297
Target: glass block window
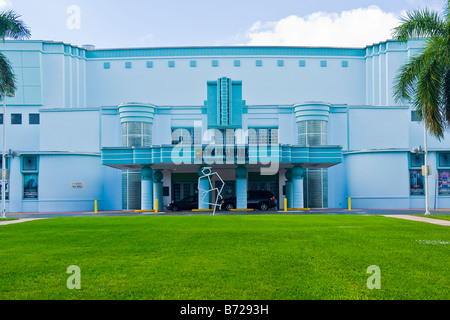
149,64
193,63
302,63
237,63
262,136
128,65
136,134
280,63
16,118
344,64
323,63
183,136
313,132
259,63
131,190
106,65
33,118
171,64
215,63
316,188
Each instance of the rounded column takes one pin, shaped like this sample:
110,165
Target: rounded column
158,188
289,190
146,189
297,187
241,187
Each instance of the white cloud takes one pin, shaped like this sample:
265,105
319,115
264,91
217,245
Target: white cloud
5,4
355,28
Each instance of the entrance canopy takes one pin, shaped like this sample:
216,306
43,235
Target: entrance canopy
176,156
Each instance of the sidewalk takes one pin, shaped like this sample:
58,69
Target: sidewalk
421,219
3,223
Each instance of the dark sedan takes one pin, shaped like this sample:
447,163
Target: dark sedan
256,199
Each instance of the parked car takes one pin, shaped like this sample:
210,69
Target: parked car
187,203
256,199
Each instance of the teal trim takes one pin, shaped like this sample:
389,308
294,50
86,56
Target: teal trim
280,63
323,63
258,63
128,65
136,112
344,64
149,64
312,111
224,51
316,156
302,63
171,64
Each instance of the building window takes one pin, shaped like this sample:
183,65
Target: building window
344,64
1,118
184,136
193,63
415,116
136,134
128,65
313,132
106,65
302,63
444,173
416,180
33,118
237,63
259,63
262,136
171,64
323,63
149,64
30,177
280,63
29,164
215,63
16,118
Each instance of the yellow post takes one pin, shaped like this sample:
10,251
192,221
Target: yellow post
95,206
349,204
156,205
285,204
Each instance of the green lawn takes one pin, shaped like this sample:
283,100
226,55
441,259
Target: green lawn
247,257
440,217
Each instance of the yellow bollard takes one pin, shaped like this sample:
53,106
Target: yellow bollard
95,206
156,205
285,204
349,204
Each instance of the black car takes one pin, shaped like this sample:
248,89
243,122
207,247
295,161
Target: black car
256,199
188,203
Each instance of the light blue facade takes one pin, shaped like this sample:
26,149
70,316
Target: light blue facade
112,126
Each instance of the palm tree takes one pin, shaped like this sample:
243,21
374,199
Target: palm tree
424,81
13,28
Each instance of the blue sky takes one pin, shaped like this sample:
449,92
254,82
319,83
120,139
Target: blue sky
152,23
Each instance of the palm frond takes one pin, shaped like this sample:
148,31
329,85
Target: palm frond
12,27
7,77
429,96
419,24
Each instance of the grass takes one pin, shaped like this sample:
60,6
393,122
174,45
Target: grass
440,217
243,257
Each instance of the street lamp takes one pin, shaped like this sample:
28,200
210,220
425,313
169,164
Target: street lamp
4,158
426,170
